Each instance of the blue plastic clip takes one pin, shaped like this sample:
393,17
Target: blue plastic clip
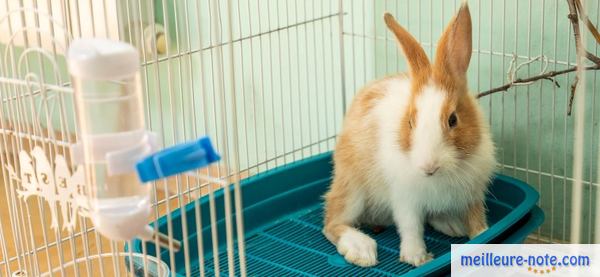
177,159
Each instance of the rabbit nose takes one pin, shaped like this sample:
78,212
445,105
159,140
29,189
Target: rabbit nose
430,169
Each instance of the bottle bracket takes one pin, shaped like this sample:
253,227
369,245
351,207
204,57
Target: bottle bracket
119,151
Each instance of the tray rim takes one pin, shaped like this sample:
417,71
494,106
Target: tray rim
527,205
530,199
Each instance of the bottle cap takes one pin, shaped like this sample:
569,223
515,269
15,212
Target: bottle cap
102,59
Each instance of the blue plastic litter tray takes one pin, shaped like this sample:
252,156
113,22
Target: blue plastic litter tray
283,219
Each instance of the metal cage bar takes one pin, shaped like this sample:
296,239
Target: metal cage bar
270,81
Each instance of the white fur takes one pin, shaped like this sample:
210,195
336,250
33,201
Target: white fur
429,147
357,248
411,195
459,181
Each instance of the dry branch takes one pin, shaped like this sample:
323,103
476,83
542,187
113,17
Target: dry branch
576,12
581,13
572,97
546,76
588,22
574,22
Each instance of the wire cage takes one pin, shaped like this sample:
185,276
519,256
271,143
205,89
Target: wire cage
270,82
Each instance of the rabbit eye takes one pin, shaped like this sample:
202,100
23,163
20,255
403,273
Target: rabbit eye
410,123
452,120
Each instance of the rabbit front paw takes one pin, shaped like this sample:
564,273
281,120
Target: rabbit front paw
415,256
358,248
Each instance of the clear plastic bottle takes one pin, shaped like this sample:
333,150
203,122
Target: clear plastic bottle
112,135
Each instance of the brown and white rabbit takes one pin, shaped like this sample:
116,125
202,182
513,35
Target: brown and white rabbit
414,149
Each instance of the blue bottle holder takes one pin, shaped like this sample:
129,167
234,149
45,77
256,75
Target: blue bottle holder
283,216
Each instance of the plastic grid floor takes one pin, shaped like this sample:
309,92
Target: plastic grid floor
295,246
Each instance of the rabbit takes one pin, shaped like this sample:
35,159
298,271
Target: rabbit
414,149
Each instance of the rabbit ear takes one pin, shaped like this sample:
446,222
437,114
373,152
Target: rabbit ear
454,48
419,66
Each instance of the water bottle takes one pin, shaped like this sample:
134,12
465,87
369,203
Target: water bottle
112,135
